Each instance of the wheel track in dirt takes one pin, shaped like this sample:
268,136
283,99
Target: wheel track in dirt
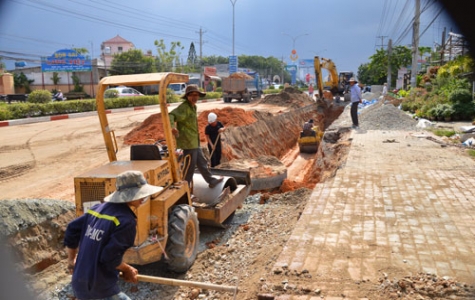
12,171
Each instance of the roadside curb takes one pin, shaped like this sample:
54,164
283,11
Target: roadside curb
84,114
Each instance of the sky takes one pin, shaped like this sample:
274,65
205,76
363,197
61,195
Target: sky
348,32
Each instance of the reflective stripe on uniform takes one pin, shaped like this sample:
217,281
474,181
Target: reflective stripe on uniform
105,217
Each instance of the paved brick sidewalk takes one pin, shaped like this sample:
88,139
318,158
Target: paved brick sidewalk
400,205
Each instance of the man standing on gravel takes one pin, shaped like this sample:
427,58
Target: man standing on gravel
184,123
101,236
356,99
385,89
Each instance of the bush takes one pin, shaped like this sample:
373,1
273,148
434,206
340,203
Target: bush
464,111
460,96
213,95
433,113
446,110
39,96
5,114
111,93
403,93
172,97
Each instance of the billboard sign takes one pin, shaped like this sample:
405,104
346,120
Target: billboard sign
292,69
306,63
66,60
20,64
233,64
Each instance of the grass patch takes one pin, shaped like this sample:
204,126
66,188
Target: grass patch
471,152
443,132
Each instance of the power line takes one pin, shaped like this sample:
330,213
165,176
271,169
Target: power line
119,10
382,40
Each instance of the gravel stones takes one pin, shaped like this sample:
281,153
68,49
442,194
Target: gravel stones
381,116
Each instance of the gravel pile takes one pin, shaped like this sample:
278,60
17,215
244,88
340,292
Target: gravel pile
424,285
381,116
21,214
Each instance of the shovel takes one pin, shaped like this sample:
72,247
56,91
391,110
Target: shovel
214,147
177,282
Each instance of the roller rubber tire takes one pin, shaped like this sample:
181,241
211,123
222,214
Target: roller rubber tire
183,238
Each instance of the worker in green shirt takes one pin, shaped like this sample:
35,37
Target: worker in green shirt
184,123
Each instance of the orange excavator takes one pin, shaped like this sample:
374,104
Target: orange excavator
337,84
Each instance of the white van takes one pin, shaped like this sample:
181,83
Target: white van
179,88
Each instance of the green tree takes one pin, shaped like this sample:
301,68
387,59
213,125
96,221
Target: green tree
132,62
193,61
77,84
214,60
21,81
168,61
55,78
2,65
265,66
81,50
364,74
422,51
377,69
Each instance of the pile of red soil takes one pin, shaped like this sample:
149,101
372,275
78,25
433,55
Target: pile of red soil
151,129
240,75
290,97
229,116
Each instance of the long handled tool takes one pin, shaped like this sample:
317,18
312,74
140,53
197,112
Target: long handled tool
214,147
177,282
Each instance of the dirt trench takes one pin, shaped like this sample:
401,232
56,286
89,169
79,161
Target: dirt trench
252,136
36,233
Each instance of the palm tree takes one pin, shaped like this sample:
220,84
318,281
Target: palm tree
55,79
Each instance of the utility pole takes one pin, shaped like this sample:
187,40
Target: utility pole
233,2
92,68
382,40
282,79
443,48
201,32
390,49
415,43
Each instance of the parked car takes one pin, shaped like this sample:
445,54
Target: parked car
124,91
178,88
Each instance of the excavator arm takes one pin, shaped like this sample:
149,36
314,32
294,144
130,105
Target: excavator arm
330,66
318,76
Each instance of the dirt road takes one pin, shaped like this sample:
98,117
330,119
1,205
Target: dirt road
40,160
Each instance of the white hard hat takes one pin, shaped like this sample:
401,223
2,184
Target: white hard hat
212,117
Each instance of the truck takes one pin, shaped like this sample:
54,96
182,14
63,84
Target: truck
169,221
178,88
238,86
254,85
